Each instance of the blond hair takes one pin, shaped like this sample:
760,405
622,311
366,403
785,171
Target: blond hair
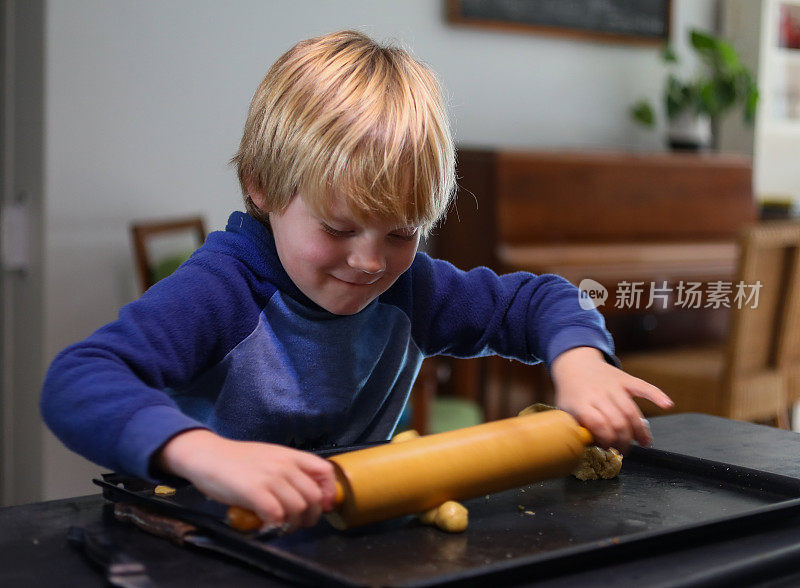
342,114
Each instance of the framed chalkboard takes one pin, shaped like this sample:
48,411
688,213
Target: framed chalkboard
631,21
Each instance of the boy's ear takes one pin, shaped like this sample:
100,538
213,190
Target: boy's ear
256,195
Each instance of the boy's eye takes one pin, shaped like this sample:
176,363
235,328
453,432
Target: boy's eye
335,232
407,234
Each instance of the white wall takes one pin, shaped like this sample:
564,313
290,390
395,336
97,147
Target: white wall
777,132
145,101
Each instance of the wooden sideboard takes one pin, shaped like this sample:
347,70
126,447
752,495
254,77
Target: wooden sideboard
609,216
510,201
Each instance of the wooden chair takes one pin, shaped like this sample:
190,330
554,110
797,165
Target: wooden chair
755,376
432,413
423,395
182,235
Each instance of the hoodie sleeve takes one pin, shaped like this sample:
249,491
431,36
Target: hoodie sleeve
105,397
520,315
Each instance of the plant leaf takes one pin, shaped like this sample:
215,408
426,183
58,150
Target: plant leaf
726,82
643,113
750,106
702,41
728,56
668,54
708,102
677,96
724,92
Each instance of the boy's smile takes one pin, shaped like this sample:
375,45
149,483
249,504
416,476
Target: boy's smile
340,263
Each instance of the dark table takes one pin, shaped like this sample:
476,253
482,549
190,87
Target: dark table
34,550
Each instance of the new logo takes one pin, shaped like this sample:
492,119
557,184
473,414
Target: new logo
591,294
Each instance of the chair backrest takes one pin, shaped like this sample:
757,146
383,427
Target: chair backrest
764,344
177,237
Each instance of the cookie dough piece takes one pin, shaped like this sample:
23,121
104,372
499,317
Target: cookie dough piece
595,462
429,516
598,463
450,516
534,408
405,436
242,519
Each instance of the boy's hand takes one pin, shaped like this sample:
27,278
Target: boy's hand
599,396
283,486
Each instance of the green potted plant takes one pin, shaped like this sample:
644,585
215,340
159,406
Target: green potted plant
694,107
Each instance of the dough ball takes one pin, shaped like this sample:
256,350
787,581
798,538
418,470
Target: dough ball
405,436
534,408
429,516
598,463
449,516
452,517
242,519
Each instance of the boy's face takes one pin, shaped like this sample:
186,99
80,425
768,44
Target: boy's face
338,262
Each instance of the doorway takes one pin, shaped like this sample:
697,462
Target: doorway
21,275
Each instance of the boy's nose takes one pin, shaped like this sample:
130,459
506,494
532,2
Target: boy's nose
367,259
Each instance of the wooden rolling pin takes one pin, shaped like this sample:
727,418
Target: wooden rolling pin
392,480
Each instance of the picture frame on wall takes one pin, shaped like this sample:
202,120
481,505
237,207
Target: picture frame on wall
625,21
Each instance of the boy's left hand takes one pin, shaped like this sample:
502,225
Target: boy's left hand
600,397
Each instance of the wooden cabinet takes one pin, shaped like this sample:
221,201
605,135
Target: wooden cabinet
589,208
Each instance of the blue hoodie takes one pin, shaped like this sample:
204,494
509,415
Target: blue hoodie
229,343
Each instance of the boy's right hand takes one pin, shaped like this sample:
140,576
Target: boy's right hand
283,486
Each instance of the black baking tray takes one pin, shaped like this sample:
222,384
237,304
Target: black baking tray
660,499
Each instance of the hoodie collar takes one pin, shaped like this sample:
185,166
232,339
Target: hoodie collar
263,259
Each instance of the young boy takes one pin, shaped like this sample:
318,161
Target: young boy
304,323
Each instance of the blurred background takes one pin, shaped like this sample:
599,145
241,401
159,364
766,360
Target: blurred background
118,112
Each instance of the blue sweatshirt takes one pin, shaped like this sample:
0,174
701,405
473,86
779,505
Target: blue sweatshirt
229,343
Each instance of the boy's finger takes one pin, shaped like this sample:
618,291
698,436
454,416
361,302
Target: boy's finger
312,494
621,425
315,466
595,421
643,435
322,472
305,485
649,392
328,487
639,428
267,508
293,503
